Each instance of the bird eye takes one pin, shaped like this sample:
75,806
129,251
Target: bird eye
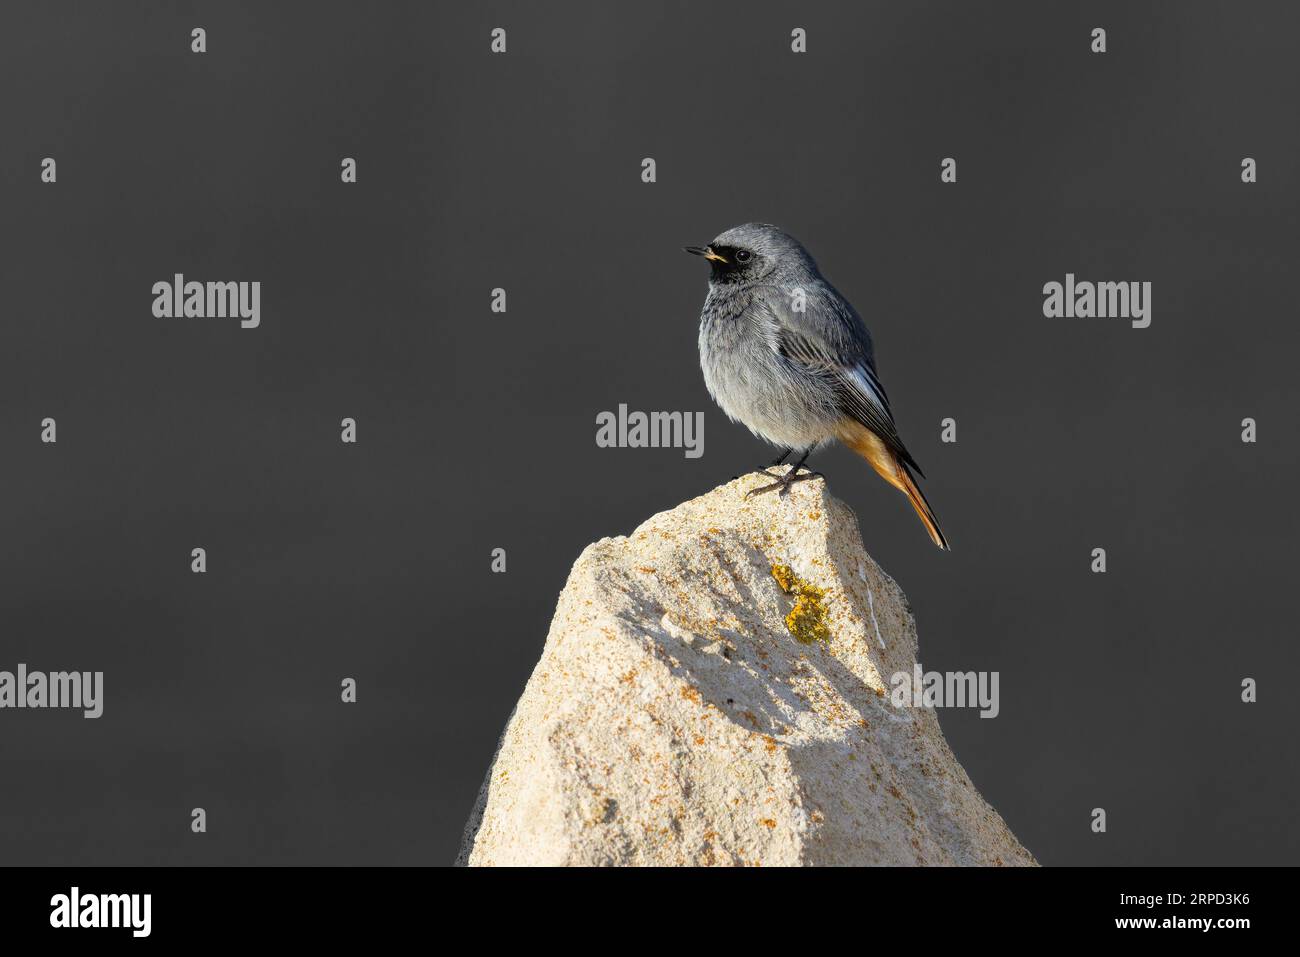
742,255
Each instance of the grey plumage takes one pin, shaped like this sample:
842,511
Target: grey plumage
786,355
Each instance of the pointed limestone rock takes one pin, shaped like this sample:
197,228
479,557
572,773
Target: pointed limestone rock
715,690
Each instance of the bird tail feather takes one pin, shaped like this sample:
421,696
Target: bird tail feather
869,445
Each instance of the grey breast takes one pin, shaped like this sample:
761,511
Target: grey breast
750,380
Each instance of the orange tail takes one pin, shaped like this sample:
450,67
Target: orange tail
867,444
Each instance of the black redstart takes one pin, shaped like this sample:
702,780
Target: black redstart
784,354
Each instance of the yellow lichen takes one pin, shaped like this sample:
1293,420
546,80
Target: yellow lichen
807,619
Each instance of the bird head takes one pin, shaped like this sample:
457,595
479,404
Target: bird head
755,252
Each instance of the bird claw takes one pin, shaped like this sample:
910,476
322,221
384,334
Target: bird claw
784,482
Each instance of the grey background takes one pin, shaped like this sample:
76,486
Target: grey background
477,430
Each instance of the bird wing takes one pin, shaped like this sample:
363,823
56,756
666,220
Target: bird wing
829,340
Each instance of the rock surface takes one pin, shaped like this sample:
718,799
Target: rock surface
715,690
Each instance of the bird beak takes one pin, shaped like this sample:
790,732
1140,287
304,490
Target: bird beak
706,252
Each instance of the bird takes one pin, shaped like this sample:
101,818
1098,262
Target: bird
787,356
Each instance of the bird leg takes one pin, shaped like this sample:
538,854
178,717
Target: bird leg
784,455
764,470
789,478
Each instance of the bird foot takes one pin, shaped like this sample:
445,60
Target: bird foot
783,482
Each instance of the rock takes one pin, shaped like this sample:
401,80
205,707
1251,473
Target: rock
715,690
